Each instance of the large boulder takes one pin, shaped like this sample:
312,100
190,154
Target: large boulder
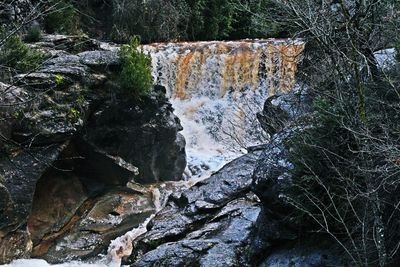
99,59
279,240
221,241
304,255
144,134
281,110
209,224
272,175
58,105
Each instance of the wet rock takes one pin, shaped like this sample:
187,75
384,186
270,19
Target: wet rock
199,202
19,173
224,185
108,217
102,218
272,118
304,256
99,59
100,169
15,245
6,206
272,175
210,223
57,197
271,179
181,253
218,241
45,127
280,110
144,134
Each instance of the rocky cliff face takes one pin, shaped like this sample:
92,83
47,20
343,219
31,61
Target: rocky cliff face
70,142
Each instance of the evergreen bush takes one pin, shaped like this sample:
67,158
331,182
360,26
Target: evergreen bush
33,34
17,57
135,76
62,18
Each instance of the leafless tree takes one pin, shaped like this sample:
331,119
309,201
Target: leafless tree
350,177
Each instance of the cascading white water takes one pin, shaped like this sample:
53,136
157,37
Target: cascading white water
216,89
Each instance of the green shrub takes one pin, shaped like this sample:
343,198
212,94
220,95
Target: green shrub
135,76
33,34
63,18
17,57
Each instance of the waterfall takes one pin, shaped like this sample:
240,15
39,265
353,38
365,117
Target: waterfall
217,88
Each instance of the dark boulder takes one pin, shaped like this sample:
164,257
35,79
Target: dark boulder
279,240
219,238
144,134
305,255
272,175
209,224
281,110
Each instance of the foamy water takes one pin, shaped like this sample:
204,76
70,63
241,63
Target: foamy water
217,88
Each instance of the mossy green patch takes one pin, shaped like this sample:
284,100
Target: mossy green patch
74,114
59,79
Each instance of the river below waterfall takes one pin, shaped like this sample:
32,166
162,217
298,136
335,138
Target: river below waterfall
216,89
